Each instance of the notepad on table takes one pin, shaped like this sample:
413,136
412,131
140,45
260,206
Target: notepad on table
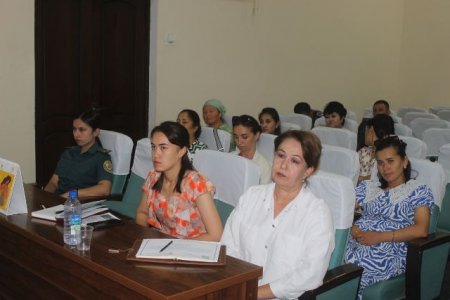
178,251
57,212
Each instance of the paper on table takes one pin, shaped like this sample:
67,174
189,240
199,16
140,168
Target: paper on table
99,218
189,250
57,212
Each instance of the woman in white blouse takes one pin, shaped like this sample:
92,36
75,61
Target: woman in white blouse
283,226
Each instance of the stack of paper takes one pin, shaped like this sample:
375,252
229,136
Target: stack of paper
55,213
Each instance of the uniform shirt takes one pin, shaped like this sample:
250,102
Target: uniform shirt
294,248
78,170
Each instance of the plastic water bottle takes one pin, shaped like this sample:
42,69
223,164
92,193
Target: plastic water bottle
72,219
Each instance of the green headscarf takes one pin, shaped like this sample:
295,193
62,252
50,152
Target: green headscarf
217,104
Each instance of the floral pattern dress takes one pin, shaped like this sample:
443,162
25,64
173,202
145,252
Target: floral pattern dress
366,161
177,215
385,211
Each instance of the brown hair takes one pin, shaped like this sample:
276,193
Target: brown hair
311,145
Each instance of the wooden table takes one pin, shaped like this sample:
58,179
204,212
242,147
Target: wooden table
35,263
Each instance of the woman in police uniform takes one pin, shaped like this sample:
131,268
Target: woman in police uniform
87,166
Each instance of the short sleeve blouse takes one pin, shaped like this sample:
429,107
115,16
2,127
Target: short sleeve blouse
178,214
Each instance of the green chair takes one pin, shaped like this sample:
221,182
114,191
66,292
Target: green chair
433,175
341,280
231,175
121,148
444,161
339,283
339,194
141,166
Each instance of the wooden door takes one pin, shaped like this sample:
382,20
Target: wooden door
89,53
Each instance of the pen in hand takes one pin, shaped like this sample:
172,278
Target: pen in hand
165,247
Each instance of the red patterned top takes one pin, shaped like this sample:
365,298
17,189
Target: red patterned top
177,215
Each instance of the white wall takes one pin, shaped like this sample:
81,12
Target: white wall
17,84
316,50
425,60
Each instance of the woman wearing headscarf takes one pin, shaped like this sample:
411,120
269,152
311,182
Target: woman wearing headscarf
213,112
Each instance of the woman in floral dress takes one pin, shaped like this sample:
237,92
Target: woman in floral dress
177,199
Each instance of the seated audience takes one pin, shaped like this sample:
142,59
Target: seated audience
283,226
191,121
379,127
395,210
87,166
270,121
177,199
304,108
213,112
246,131
334,113
380,107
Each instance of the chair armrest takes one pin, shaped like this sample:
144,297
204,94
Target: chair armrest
334,278
414,258
432,240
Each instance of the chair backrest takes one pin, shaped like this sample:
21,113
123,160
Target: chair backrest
435,138
209,139
351,115
349,124
419,125
266,146
444,114
304,121
431,174
121,147
336,137
142,164
339,194
231,175
403,110
437,109
415,147
285,126
340,161
402,129
409,116
444,159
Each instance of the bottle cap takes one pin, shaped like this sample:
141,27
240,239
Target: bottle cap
73,194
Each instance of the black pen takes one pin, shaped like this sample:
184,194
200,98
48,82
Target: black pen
165,247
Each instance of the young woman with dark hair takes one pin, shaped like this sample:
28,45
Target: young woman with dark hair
191,121
87,166
395,210
335,113
269,119
246,131
379,127
177,199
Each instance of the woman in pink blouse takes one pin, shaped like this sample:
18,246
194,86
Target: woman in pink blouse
177,199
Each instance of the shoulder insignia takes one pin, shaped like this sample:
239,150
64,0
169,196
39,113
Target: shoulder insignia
107,166
100,149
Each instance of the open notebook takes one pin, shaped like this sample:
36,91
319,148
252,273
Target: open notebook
177,251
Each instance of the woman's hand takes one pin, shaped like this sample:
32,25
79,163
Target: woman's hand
368,238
